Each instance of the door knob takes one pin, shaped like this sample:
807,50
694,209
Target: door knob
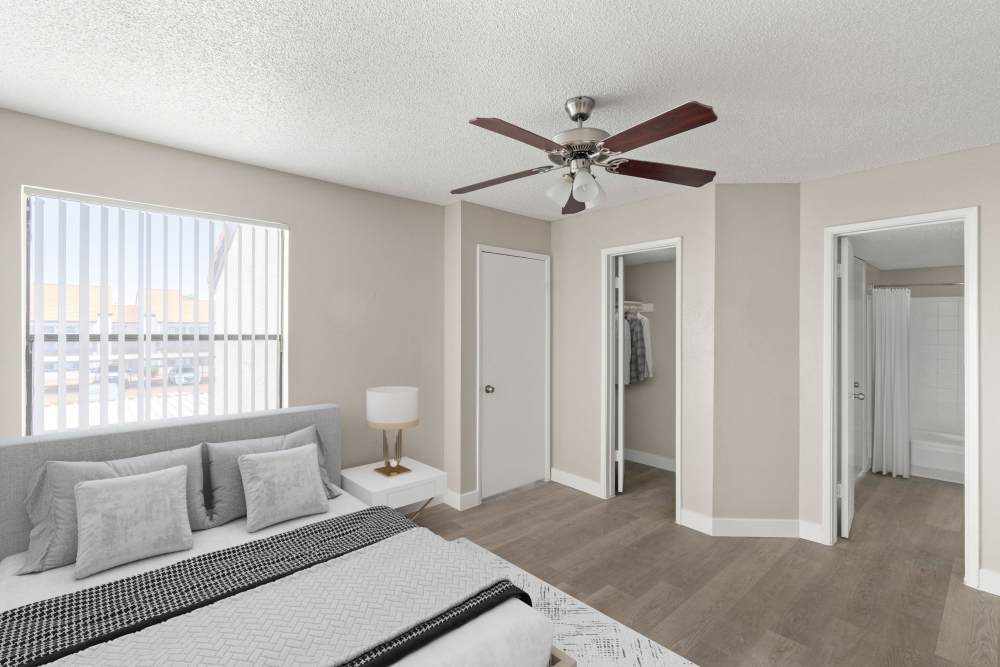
860,396
489,389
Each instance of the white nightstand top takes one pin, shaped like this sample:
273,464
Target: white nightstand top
422,483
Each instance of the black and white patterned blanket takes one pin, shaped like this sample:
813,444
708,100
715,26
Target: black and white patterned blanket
157,610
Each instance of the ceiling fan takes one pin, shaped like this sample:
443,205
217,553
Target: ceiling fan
580,149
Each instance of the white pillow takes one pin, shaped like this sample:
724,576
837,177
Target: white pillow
124,519
281,485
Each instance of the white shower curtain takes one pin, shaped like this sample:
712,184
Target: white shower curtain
891,328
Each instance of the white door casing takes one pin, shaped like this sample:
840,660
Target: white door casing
513,370
620,369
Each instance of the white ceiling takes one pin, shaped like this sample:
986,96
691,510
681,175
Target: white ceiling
376,94
920,247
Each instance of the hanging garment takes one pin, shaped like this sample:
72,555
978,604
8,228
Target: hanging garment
891,328
626,343
647,342
637,363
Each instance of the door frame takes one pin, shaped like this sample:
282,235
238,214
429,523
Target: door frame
482,248
970,219
609,255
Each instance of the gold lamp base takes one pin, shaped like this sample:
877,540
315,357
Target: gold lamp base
390,469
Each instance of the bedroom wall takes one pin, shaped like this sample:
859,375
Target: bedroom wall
650,405
955,180
363,267
756,359
576,327
468,225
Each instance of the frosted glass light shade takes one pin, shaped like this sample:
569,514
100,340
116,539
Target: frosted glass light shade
559,193
392,407
599,199
584,186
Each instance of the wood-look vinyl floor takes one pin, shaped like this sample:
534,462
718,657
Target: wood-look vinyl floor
892,595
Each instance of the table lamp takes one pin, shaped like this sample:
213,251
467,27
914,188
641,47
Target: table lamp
392,409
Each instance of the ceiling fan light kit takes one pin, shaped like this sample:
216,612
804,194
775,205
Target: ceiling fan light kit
580,149
560,192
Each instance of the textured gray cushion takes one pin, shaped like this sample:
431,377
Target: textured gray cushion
124,519
281,485
228,502
51,502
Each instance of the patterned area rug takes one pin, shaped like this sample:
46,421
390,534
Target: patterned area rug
580,630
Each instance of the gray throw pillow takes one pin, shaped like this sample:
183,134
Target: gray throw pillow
228,502
51,503
124,519
281,485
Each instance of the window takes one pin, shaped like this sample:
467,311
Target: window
137,313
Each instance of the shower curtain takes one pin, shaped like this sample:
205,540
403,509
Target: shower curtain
891,357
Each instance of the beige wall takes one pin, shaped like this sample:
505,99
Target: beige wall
365,270
576,329
916,277
650,405
452,437
468,225
956,180
756,359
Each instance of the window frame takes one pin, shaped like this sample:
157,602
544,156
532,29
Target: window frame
29,338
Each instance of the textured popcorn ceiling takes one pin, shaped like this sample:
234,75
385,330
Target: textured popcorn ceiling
377,94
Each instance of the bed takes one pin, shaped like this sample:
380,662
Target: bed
353,585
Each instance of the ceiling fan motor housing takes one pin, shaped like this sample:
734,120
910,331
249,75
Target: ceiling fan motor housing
579,141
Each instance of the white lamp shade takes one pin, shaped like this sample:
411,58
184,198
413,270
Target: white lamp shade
559,193
392,407
599,199
584,186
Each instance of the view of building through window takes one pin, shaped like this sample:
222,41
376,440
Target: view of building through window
139,314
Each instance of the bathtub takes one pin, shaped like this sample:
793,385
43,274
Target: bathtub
937,455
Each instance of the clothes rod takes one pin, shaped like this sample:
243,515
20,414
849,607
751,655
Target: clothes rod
922,285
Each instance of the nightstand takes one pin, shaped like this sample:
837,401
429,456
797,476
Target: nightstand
422,484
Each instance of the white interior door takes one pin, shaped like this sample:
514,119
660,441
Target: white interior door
620,369
513,340
852,380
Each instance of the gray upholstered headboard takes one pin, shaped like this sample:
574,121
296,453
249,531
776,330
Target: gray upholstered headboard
21,457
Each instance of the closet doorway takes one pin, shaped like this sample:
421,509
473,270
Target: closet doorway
641,325
902,375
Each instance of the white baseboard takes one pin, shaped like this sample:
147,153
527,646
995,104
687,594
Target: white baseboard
696,521
653,460
732,527
461,501
578,483
989,581
812,531
736,527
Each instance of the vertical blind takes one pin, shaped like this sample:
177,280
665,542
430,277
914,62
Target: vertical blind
138,314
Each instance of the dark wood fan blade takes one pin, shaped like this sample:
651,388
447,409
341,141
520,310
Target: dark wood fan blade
502,179
658,171
683,118
516,133
573,206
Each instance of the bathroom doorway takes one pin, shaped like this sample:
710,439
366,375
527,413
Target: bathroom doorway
903,374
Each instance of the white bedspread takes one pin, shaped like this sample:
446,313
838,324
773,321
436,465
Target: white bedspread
503,636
